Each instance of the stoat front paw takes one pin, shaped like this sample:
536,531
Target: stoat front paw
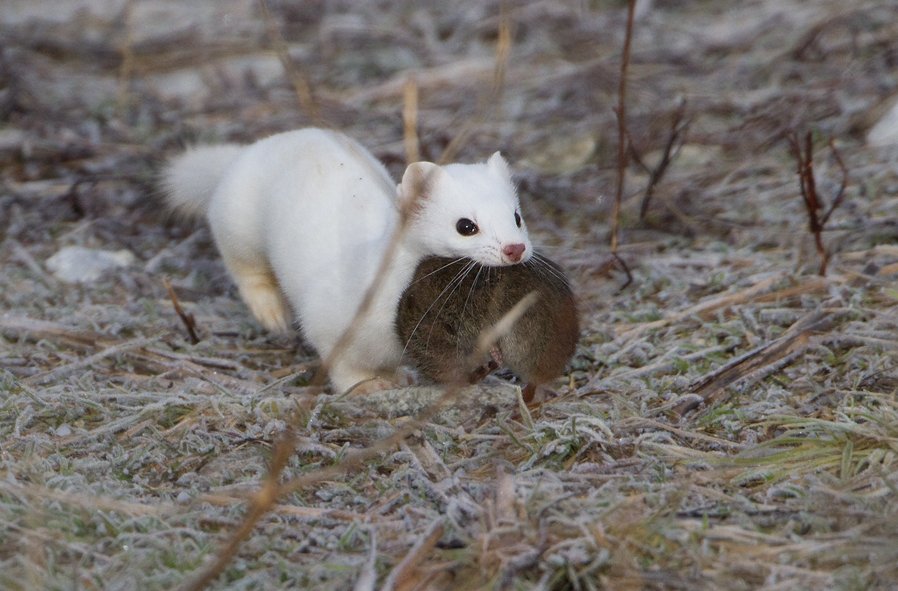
377,384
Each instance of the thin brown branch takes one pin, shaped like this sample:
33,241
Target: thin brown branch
186,318
674,140
804,158
622,132
625,268
808,172
623,147
840,194
402,575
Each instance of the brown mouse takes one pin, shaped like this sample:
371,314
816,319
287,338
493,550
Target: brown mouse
449,303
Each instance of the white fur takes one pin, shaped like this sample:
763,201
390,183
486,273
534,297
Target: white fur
191,178
306,217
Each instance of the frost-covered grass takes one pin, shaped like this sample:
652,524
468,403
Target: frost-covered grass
128,454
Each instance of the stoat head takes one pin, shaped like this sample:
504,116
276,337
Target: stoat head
465,210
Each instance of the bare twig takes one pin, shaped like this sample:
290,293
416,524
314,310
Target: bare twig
187,318
807,182
22,254
675,140
622,151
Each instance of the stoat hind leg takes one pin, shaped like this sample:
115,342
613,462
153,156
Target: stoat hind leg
260,290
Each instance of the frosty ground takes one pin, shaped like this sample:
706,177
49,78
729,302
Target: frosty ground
729,421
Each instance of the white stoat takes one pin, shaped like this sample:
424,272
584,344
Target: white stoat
304,218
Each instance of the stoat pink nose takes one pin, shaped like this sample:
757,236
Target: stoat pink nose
514,252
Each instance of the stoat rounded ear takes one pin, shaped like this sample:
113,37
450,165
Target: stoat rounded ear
498,164
417,184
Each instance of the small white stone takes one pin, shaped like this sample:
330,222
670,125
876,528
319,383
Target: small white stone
183,497
63,430
74,264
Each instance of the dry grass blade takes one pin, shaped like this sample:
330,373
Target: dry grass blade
367,580
410,121
187,319
642,423
22,254
404,577
292,510
47,329
756,293
711,387
491,335
84,502
110,351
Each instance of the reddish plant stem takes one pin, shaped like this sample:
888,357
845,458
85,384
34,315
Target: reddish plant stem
622,135
807,183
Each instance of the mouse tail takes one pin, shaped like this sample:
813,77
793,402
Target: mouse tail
190,179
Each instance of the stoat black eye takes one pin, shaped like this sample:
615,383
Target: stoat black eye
517,219
466,227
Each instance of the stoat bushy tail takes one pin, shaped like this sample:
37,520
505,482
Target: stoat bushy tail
189,179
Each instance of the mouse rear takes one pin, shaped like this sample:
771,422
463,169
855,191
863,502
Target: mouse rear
450,302
540,345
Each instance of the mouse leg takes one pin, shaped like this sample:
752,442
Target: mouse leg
535,394
482,371
528,392
260,290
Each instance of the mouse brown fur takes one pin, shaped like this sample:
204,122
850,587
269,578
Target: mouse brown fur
449,303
